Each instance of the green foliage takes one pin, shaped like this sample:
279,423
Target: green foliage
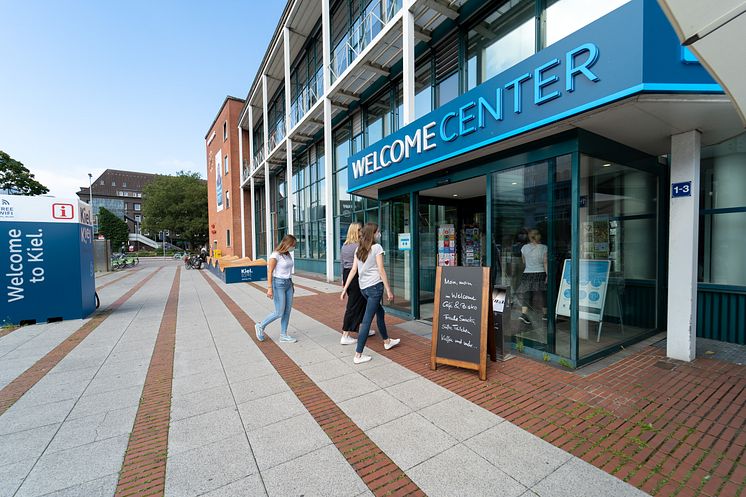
178,204
565,363
519,345
16,177
112,228
546,357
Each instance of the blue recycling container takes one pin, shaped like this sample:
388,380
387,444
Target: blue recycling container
46,251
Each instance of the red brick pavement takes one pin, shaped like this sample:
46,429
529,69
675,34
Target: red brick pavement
144,468
10,394
382,476
667,427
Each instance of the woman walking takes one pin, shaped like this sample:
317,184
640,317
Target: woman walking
533,285
368,266
280,288
355,302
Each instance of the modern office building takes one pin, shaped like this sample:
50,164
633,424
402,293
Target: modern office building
466,127
224,199
121,193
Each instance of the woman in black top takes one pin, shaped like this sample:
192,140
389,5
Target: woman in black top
356,302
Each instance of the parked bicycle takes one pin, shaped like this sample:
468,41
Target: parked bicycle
192,261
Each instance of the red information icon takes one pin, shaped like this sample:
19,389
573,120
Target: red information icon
63,211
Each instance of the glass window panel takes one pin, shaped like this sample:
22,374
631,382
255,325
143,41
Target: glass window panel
723,174
564,17
448,89
721,259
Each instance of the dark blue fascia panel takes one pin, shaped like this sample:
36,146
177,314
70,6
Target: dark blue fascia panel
598,64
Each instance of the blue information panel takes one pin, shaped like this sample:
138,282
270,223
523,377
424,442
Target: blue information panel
47,262
682,189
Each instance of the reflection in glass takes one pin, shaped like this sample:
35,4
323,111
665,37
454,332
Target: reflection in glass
564,17
395,220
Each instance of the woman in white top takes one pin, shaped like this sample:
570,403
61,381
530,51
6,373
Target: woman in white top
533,286
368,265
280,288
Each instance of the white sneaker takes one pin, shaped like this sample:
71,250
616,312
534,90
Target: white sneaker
361,359
392,343
371,333
347,340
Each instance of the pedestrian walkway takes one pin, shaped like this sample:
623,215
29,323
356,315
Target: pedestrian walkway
171,394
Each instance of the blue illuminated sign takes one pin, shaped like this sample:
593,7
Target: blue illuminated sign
629,51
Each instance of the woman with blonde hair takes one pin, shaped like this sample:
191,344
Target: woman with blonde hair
368,266
280,288
356,302
533,286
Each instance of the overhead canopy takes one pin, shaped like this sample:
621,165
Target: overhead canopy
714,31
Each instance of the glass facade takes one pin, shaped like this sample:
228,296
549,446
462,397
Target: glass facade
309,203
260,221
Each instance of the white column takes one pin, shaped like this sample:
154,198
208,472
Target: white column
408,62
252,208
683,236
241,190
328,144
267,189
288,141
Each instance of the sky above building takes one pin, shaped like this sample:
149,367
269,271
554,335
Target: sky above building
90,85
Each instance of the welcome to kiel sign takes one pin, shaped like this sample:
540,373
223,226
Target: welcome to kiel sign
631,50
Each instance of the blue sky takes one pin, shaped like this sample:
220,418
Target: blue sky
91,85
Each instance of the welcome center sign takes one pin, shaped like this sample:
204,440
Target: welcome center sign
605,61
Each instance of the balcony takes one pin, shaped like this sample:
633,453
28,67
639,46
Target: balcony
364,29
308,95
258,157
245,170
276,134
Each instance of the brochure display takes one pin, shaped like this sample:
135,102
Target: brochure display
446,245
594,281
471,246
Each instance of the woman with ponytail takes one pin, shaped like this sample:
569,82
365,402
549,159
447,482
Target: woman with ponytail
368,266
280,288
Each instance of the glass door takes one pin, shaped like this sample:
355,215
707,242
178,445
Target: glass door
437,224
395,231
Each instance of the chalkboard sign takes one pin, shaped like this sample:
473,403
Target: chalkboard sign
460,321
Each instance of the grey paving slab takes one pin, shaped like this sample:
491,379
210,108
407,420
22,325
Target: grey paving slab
60,470
577,478
323,473
24,418
257,388
286,440
347,387
524,456
89,429
249,486
268,410
48,391
197,431
386,375
103,384
460,418
327,370
195,382
21,445
459,472
530,493
12,475
201,402
62,377
419,393
374,409
320,286
101,487
207,468
106,401
410,440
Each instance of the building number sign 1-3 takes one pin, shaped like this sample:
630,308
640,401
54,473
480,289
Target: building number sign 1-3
683,189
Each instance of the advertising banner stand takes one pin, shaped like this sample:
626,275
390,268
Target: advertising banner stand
498,341
594,282
46,264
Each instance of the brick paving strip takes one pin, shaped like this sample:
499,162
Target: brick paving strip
382,476
10,394
666,427
144,468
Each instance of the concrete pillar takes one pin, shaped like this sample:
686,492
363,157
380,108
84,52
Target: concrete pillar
683,237
288,141
267,188
240,191
252,207
251,190
328,143
408,43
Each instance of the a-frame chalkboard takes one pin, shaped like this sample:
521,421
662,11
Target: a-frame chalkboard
461,318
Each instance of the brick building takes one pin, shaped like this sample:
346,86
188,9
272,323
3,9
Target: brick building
121,193
224,192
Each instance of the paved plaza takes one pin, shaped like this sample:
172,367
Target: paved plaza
166,391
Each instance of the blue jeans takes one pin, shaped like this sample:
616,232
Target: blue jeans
373,295
283,298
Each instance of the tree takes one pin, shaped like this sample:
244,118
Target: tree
113,228
15,177
178,204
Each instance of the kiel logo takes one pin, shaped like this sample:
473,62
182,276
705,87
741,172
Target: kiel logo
63,211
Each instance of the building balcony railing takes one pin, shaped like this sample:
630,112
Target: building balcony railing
307,97
364,29
245,170
258,156
276,134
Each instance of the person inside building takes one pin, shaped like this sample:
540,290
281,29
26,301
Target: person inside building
280,288
533,285
368,266
355,302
